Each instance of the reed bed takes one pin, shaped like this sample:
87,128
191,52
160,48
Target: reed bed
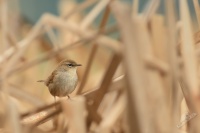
144,80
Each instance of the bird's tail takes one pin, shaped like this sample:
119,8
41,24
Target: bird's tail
41,81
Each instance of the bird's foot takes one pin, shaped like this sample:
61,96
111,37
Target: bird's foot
68,97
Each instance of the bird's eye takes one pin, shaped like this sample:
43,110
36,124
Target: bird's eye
69,65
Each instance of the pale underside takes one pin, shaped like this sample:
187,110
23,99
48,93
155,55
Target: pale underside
62,83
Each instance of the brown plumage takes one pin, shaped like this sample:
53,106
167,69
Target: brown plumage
63,80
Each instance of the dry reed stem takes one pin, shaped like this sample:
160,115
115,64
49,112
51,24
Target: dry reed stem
172,59
96,97
108,101
34,118
137,112
117,109
189,58
61,123
12,61
26,129
74,28
197,41
135,7
52,37
80,7
12,39
154,78
102,26
156,64
13,118
35,31
18,93
88,66
151,8
197,10
75,111
93,14
178,112
184,110
94,50
116,84
44,119
190,62
4,24
197,37
51,20
33,112
52,53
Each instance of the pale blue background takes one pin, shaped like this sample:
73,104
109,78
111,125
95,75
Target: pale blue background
33,9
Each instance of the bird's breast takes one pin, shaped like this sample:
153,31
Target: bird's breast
65,83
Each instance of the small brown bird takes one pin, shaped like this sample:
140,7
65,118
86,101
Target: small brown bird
63,79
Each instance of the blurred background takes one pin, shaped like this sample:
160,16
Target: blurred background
135,62
33,9
22,16
30,11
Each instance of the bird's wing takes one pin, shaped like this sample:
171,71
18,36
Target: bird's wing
51,78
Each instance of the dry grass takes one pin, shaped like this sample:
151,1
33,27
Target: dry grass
145,81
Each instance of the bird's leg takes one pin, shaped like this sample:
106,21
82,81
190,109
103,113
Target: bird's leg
55,120
68,97
55,99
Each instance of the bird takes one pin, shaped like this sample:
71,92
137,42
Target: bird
63,80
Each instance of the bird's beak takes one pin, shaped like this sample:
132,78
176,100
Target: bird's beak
78,65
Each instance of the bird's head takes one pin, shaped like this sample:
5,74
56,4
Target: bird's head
68,65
